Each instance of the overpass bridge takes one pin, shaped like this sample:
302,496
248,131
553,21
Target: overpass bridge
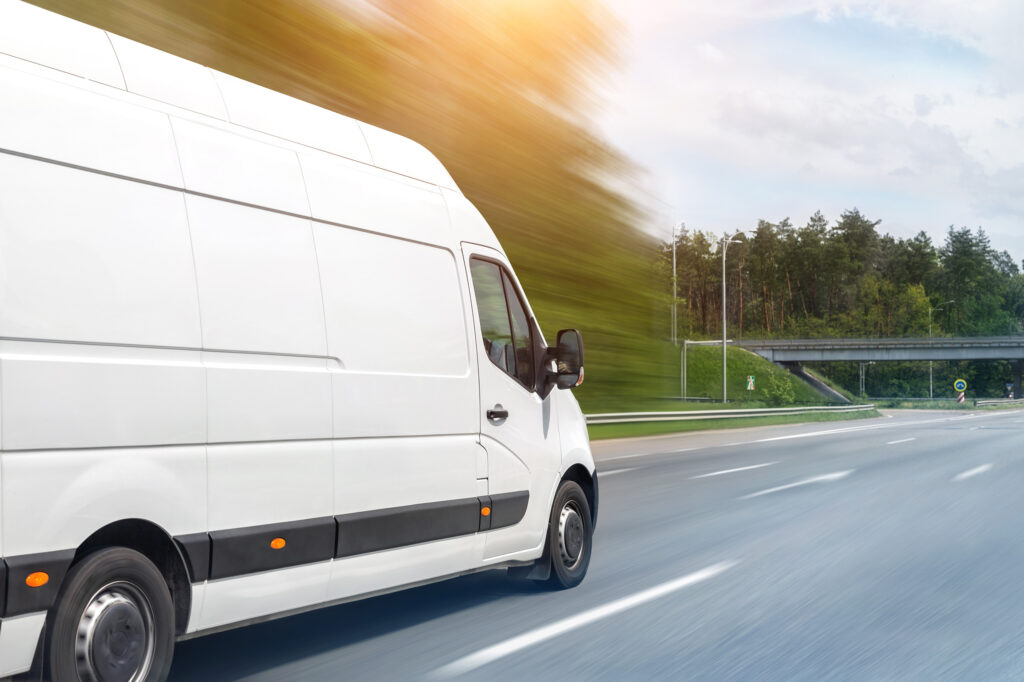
797,351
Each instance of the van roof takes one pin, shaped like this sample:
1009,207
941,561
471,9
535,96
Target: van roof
52,40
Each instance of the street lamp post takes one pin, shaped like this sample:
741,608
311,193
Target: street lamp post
725,241
931,378
863,372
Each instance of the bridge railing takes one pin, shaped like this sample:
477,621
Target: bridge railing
986,341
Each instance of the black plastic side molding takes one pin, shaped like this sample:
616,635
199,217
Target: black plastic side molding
241,551
380,529
23,599
264,548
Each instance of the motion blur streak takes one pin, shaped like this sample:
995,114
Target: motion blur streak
502,91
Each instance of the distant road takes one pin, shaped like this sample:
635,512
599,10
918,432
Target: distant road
889,548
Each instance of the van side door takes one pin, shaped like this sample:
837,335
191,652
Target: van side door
518,429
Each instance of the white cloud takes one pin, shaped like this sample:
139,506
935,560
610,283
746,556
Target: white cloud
715,93
709,53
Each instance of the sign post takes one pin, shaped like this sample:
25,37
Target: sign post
960,386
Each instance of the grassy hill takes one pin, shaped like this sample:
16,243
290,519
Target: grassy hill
704,379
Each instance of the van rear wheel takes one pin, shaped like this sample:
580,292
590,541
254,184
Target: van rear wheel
570,536
113,621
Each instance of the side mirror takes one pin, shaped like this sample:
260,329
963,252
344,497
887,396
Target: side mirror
568,354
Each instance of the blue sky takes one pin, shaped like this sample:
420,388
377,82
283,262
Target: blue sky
737,110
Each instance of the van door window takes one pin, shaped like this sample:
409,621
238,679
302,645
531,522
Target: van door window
520,333
503,321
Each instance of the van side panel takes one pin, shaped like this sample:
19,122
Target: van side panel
220,160
110,263
348,193
70,46
165,77
253,106
270,462
93,396
395,322
87,257
76,126
405,397
55,499
258,284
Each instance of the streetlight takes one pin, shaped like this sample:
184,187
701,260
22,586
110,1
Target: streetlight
863,371
675,287
725,241
931,380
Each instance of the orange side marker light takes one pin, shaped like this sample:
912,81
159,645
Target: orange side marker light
486,511
37,579
277,543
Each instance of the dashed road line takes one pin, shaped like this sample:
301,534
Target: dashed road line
732,471
971,472
824,478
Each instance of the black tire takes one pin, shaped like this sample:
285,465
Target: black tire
121,600
570,536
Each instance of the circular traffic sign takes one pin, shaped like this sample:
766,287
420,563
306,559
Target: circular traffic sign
960,385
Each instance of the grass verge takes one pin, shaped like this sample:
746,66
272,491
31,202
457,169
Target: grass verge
602,431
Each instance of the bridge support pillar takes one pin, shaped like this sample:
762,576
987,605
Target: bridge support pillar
1018,371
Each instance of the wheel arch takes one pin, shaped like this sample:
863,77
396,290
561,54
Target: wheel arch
582,477
157,545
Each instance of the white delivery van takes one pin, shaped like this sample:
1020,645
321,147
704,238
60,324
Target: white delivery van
255,358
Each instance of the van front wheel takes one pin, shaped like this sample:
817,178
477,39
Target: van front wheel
570,536
113,622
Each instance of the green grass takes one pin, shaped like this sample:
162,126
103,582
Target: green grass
704,379
602,431
833,385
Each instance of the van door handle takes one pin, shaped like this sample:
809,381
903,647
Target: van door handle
497,413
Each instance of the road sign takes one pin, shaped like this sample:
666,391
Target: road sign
960,385
750,382
962,398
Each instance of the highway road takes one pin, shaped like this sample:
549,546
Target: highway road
889,548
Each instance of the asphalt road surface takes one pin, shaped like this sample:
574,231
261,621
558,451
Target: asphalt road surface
883,549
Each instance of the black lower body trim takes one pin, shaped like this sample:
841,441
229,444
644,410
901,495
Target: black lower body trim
508,509
379,529
23,599
276,545
241,551
196,550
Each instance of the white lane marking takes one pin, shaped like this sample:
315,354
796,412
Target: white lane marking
527,639
897,442
606,474
824,478
971,472
732,471
648,454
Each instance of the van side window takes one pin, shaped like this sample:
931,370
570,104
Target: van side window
503,322
520,333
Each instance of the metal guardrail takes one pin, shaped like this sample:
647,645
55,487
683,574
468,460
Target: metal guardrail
997,341
1004,401
691,415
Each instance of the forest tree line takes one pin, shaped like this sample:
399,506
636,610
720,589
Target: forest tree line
844,279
